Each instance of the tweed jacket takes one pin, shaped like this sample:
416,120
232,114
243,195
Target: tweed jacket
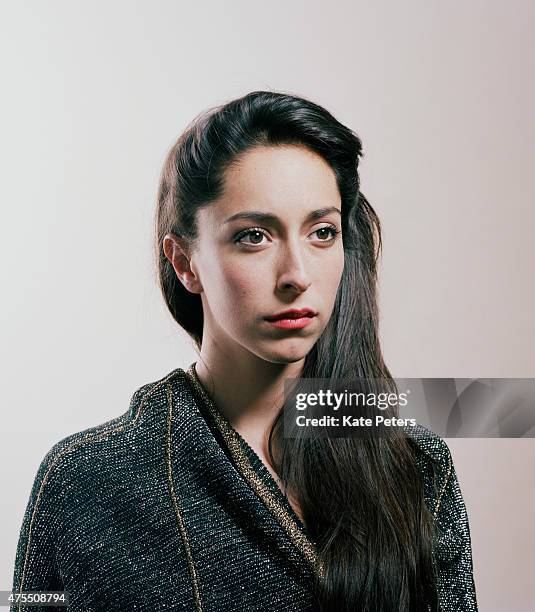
167,507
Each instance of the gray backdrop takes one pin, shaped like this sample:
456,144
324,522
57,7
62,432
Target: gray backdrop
442,95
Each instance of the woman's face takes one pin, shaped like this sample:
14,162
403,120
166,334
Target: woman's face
251,267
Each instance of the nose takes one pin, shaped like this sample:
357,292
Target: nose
293,272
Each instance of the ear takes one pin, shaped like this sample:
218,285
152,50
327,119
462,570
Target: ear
178,252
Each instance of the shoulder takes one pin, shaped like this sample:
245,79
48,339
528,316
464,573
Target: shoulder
452,539
432,446
434,460
100,448
79,479
71,445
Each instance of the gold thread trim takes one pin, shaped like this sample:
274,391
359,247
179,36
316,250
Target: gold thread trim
439,500
299,539
89,437
178,511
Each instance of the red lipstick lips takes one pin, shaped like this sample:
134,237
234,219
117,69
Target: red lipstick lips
292,314
292,319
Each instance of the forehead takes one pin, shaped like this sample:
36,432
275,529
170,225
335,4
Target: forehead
286,180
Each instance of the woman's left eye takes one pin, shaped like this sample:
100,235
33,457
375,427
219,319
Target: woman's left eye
329,229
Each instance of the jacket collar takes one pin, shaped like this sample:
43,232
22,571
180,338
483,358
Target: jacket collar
213,474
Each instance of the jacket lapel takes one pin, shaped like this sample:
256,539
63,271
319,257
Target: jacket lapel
237,534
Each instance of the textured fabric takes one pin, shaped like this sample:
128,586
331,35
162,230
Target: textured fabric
167,508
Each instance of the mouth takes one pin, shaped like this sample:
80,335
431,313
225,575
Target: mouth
292,319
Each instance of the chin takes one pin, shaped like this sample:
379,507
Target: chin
285,354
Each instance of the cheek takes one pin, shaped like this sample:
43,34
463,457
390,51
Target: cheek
239,286
328,273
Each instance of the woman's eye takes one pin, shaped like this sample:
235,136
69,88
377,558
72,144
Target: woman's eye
256,236
324,232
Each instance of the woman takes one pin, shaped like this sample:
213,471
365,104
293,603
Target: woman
194,499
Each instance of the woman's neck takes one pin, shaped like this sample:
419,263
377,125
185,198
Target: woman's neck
249,391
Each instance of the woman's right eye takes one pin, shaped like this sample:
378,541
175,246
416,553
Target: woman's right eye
255,233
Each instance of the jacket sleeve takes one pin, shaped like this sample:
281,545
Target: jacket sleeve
36,567
453,548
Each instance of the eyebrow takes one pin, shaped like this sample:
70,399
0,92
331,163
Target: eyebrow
257,215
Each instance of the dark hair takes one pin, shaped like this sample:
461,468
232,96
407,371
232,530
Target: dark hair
367,514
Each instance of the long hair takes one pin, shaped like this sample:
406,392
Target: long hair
367,513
